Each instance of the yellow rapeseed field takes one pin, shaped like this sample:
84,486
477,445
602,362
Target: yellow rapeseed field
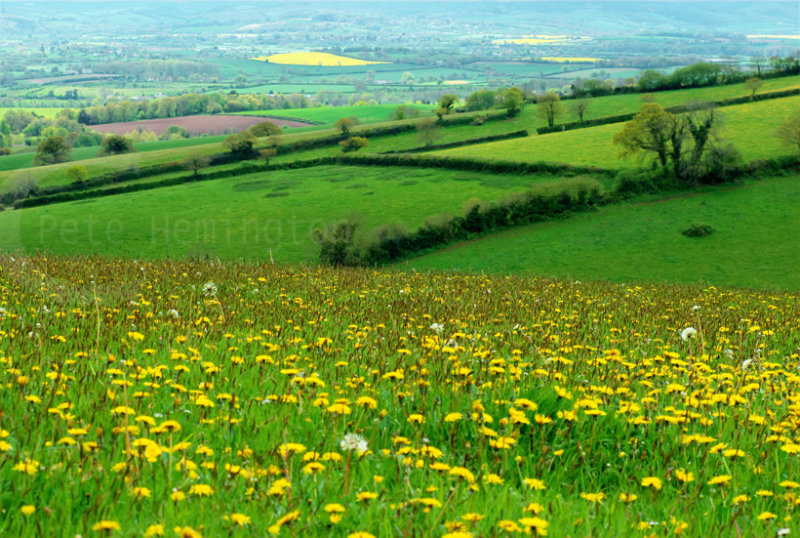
569,59
313,58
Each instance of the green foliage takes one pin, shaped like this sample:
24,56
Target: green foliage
403,112
195,163
392,242
549,107
175,132
753,84
267,154
428,131
354,143
447,102
789,131
240,144
52,150
698,230
116,145
77,173
265,128
345,125
512,100
481,100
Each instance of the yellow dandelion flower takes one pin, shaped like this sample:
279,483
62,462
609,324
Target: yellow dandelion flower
27,509
720,479
535,484
201,490
594,497
154,530
652,482
106,525
240,519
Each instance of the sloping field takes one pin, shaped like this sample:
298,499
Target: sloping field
196,125
756,242
750,127
246,216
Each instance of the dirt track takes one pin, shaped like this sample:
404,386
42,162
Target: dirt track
197,125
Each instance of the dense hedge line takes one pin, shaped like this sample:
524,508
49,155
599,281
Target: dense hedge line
470,164
674,109
342,245
70,196
460,143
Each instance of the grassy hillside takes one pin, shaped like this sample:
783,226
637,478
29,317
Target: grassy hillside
360,401
25,160
330,115
247,215
756,242
750,127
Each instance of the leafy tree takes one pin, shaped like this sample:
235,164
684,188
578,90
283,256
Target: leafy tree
265,128
52,150
404,111
579,108
480,100
760,64
652,80
428,131
267,154
345,125
789,130
77,173
753,84
195,163
447,102
22,187
648,131
240,144
686,141
115,145
549,107
512,100
353,143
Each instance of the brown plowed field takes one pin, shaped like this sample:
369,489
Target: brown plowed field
196,125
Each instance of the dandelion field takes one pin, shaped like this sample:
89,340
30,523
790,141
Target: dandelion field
166,398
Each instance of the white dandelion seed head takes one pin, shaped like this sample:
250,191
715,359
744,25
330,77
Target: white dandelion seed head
697,308
746,364
173,313
783,532
438,328
688,333
209,289
353,441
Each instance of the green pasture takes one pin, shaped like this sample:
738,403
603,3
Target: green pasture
18,161
248,215
45,112
755,242
750,127
330,114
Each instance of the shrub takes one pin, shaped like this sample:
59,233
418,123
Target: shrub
77,173
5,151
698,230
354,143
115,145
240,144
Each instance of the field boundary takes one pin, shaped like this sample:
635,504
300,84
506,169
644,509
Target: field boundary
778,94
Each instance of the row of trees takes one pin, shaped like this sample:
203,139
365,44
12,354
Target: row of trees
186,105
687,146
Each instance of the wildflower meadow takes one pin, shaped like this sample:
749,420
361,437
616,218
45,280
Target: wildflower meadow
207,399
